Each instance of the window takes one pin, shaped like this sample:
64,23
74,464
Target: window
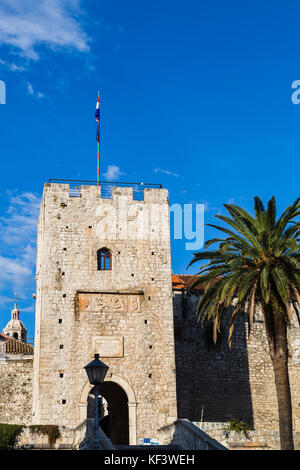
104,259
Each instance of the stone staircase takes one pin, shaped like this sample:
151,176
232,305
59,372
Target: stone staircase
184,435
179,435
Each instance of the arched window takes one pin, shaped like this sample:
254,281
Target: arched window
104,259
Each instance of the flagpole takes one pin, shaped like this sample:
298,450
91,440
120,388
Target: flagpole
98,143
97,116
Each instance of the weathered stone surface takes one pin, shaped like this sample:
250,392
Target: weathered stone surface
16,391
32,438
109,346
77,304
216,383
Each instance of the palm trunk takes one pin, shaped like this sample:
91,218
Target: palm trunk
276,329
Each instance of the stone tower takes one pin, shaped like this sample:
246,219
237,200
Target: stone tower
104,286
15,328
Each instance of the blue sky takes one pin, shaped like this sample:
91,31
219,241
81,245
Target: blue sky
194,95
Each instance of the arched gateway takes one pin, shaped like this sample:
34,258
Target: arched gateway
119,420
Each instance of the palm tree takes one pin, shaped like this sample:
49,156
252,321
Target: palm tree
256,264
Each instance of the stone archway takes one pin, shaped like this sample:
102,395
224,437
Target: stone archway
115,423
118,390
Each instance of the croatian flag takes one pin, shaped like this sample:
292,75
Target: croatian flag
97,116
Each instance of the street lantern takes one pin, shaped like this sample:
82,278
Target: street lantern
96,372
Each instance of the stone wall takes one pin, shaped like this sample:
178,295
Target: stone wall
258,439
216,384
29,438
16,391
125,314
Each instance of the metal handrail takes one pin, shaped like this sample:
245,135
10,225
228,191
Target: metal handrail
116,183
106,187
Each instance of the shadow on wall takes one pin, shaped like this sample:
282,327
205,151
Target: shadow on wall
212,380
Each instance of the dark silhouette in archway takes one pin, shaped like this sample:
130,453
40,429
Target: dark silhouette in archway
116,423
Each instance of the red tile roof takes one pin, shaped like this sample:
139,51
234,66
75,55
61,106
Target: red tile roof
184,281
17,347
5,337
13,346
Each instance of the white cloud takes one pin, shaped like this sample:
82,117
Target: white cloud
16,68
113,173
166,172
231,201
30,91
13,272
18,244
5,300
12,66
28,24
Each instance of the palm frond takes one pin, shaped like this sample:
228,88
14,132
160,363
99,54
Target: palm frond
257,262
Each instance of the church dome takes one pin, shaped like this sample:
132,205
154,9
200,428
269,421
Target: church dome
15,328
15,324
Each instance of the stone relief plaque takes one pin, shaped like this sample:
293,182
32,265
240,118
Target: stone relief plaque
111,302
133,303
93,303
108,346
83,302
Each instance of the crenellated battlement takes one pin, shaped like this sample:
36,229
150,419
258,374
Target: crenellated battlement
147,192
